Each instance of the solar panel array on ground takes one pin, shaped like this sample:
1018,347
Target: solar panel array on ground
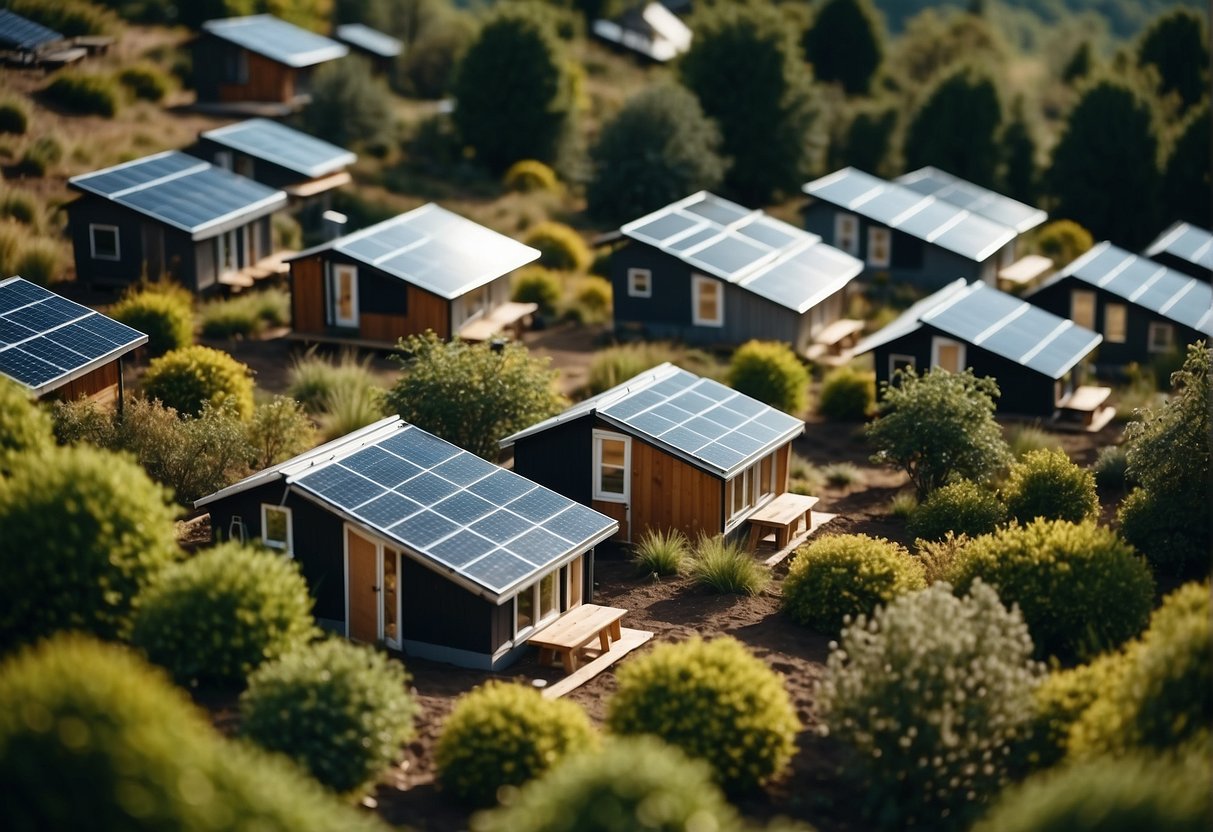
45,339
283,146
931,181
182,191
770,258
484,523
282,42
17,32
1187,242
437,250
368,39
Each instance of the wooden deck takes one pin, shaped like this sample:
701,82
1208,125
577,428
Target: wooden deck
1085,409
783,517
509,317
570,633
819,519
628,641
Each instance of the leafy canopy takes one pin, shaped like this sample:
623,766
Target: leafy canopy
845,44
957,127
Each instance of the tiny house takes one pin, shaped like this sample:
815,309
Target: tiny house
428,269
705,270
56,348
170,215
1185,248
649,29
26,43
379,48
410,542
664,450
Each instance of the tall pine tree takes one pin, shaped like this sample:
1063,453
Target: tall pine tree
957,126
1175,44
845,44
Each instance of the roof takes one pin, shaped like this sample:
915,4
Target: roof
774,260
281,42
928,218
1186,242
434,249
1139,280
480,525
369,40
184,192
23,34
47,340
931,181
711,426
1003,324
650,29
283,146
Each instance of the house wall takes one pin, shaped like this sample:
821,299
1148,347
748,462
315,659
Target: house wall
99,385
172,253
266,79
560,458
462,309
668,493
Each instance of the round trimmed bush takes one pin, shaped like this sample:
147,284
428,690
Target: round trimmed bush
1061,700
714,700
502,735
1081,588
1046,483
191,377
633,783
1110,468
592,296
340,710
14,116
932,692
23,425
82,531
535,284
85,93
167,319
216,617
561,248
962,507
529,175
770,372
145,82
836,578
847,394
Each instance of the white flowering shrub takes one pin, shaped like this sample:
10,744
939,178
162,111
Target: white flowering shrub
933,693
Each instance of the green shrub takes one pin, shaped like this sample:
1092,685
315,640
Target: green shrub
84,93
216,617
836,578
348,408
841,474
770,372
561,248
903,505
341,711
41,261
592,299
1061,700
83,532
145,82
14,116
245,314
505,734
633,783
287,232
803,476
937,556
847,394
715,701
615,365
42,154
21,206
1047,484
1023,439
165,317
313,378
1063,241
661,552
535,284
279,430
529,175
1081,588
188,378
1110,468
727,568
933,692
24,427
961,507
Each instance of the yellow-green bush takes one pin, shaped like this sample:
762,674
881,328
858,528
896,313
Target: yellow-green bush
726,567
714,700
14,116
838,577
661,552
1046,483
591,299
535,284
615,365
84,93
1061,700
1063,241
502,735
22,206
561,248
145,81
166,317
218,616
961,507
847,394
42,260
24,426
245,314
770,372
527,175
189,377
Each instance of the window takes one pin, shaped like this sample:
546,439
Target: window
276,528
1160,338
750,487
707,301
846,233
1114,323
227,251
640,283
476,302
103,240
344,295
235,66
1082,308
574,570
223,159
880,244
612,461
537,603
901,362
947,354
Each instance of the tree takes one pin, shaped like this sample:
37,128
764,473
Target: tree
473,395
513,91
1079,65
867,141
1186,183
845,44
659,148
1107,158
744,68
938,426
1017,175
1176,45
957,127
934,41
349,107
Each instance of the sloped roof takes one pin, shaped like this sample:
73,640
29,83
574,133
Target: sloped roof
283,146
1186,242
281,42
931,181
649,29
369,40
23,34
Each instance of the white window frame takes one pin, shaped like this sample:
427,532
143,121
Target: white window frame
1087,296
287,546
896,359
93,228
875,232
637,291
846,233
337,270
1155,329
748,479
962,358
697,283
538,617
1120,312
599,436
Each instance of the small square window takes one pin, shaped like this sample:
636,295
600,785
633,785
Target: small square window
1161,337
880,243
1114,323
846,233
276,529
640,283
103,240
707,302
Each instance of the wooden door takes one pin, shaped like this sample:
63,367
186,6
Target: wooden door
362,588
616,511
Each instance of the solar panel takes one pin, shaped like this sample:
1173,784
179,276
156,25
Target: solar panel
422,529
719,211
844,187
462,548
369,40
282,42
501,486
574,523
11,333
692,240
464,508
17,32
664,227
538,505
25,368
499,569
341,486
283,146
989,204
502,525
730,255
427,489
387,509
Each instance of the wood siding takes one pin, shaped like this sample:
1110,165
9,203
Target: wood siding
267,81
307,295
668,493
99,385
425,311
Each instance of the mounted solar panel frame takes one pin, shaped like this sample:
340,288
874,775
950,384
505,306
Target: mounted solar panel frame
283,146
276,39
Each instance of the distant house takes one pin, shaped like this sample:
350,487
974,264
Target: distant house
308,169
708,271
258,59
174,215
428,269
664,450
904,236
26,43
650,29
1143,308
408,541
380,49
1185,248
57,348
1037,358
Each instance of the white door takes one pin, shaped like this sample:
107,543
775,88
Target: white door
344,295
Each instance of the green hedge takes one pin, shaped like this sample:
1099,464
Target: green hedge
186,379
1046,483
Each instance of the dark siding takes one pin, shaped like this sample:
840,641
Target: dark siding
86,210
670,305
1185,266
560,458
207,66
436,611
263,171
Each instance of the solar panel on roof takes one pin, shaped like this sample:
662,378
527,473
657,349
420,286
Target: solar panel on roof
387,509
719,211
464,508
502,525
730,255
17,32
282,146
368,39
499,569
664,227
461,548
423,528
971,197
693,239
282,42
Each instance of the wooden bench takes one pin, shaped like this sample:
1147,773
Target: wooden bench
575,630
783,515
1085,408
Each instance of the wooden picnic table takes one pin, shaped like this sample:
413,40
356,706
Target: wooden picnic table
782,515
576,629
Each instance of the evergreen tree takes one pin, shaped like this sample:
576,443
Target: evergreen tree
349,105
1175,44
1017,175
845,44
1186,185
957,126
867,142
